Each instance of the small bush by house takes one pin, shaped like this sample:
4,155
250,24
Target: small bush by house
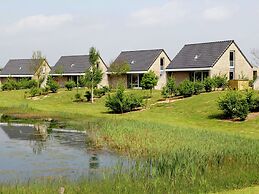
198,87
121,102
186,88
237,104
70,85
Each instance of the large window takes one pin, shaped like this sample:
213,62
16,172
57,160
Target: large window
232,59
134,80
162,66
198,75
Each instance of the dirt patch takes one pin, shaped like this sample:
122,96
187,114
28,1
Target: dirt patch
252,116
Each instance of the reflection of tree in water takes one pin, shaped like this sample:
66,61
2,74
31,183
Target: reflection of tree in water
38,139
94,162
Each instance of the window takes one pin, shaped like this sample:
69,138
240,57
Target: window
133,80
198,75
231,75
232,58
161,64
97,65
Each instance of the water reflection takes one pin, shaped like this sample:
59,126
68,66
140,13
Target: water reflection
29,151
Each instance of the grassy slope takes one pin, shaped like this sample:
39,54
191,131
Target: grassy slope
196,112
159,129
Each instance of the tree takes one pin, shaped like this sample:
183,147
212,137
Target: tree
37,65
119,68
94,75
149,81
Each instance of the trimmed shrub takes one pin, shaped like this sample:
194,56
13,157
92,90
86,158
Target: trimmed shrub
220,81
35,92
209,84
252,100
78,97
186,88
198,87
53,86
121,103
31,83
234,105
88,96
7,86
70,85
169,89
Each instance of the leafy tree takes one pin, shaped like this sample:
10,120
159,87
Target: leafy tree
149,81
93,76
119,68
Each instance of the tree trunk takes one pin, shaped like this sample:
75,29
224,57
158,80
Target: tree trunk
92,94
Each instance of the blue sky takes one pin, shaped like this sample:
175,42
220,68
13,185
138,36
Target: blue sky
67,27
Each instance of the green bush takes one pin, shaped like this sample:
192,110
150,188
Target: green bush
88,96
121,103
70,85
252,99
7,86
169,89
186,88
53,86
220,81
209,84
35,92
198,87
78,97
30,84
45,90
81,81
234,104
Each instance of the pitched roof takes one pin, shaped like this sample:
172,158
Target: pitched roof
200,55
20,67
140,60
72,64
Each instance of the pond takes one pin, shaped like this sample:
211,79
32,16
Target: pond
27,153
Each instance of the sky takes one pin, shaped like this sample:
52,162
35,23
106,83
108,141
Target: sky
70,27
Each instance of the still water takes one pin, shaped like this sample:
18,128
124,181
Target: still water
29,153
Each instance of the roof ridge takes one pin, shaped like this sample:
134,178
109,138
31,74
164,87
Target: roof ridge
75,55
140,50
210,42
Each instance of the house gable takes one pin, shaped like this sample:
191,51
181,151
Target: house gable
243,68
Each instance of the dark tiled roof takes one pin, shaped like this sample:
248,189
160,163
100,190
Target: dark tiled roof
199,55
20,67
72,64
139,60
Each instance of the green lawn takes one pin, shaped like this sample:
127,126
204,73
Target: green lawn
191,148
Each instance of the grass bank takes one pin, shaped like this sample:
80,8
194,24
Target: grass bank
187,147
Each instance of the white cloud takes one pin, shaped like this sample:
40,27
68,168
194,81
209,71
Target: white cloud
169,13
39,22
219,13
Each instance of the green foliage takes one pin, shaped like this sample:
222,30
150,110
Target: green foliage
70,85
78,97
252,99
234,104
99,92
169,89
53,85
149,80
121,102
198,87
88,96
35,91
220,81
94,75
119,68
24,83
186,88
81,81
209,84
